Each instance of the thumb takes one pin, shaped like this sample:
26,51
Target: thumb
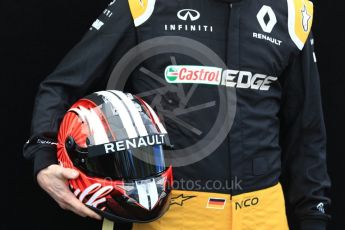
70,173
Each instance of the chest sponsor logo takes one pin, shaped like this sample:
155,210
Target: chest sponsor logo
247,203
188,21
216,76
267,20
190,14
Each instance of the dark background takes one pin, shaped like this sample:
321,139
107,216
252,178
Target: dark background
34,37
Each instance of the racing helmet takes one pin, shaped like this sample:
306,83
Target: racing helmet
115,140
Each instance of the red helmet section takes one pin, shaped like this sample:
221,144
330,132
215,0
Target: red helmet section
96,192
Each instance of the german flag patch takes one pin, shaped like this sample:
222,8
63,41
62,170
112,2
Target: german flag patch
216,203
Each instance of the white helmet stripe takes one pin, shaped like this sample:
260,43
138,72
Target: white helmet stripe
147,192
95,124
142,194
123,113
96,127
152,192
133,111
156,119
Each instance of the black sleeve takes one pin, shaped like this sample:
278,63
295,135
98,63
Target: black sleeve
109,37
303,140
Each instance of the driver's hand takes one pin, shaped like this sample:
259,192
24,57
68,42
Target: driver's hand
53,180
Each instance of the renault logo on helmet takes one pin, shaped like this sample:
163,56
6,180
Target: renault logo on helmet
184,14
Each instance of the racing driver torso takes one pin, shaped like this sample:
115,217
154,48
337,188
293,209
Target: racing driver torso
250,44
262,44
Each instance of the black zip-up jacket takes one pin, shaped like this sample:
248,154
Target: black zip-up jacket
278,121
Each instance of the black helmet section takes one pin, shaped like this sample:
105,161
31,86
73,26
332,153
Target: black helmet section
118,165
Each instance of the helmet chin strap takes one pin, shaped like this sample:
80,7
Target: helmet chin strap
107,224
110,225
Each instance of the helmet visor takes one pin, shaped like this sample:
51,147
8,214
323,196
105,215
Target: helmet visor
136,163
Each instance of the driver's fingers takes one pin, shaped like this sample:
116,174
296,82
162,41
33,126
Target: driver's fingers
79,208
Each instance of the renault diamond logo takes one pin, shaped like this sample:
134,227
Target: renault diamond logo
184,14
267,19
